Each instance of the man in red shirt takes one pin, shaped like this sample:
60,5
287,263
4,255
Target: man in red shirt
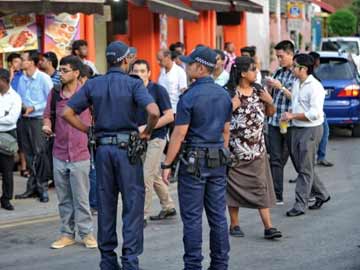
71,160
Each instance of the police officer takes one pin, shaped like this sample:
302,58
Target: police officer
115,98
201,135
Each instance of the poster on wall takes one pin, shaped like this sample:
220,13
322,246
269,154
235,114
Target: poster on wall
18,33
163,31
60,31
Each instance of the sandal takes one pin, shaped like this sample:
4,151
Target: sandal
24,173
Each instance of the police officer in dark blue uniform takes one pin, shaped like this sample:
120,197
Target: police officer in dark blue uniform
115,98
201,137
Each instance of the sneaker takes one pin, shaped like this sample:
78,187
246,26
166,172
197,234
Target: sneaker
279,202
324,163
62,242
272,233
90,241
236,231
164,214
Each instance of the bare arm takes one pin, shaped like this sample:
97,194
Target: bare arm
153,117
167,118
226,134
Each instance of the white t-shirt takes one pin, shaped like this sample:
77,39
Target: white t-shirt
10,107
174,82
308,98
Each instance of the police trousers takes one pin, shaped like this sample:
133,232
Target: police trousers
207,190
115,174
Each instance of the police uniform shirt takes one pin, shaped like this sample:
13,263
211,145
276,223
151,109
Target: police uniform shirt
162,99
205,107
116,98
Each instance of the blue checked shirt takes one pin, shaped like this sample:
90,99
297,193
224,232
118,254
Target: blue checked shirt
281,102
55,77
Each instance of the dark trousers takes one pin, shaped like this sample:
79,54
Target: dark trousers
6,170
305,142
278,148
196,193
33,143
115,174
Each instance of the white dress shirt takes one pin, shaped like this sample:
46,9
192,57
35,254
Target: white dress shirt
10,108
308,98
173,81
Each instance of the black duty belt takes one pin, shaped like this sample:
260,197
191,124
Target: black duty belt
120,140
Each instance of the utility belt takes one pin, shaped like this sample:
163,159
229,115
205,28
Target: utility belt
135,146
214,158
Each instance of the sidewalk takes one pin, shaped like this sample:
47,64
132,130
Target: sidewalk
29,209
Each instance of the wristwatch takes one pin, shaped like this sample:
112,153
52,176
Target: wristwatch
165,166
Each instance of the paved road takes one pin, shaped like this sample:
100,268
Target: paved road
328,239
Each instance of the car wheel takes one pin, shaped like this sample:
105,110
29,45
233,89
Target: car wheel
356,131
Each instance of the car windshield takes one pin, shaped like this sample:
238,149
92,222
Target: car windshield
342,45
335,69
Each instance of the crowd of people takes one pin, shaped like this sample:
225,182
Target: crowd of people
231,130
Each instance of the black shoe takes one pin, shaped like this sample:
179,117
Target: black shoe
26,195
7,206
324,163
44,197
164,214
272,233
294,213
318,203
292,181
236,231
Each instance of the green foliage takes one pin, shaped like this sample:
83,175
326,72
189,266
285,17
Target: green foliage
342,23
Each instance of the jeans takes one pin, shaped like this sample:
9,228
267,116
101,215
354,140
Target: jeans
321,153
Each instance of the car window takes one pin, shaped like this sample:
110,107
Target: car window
335,69
346,46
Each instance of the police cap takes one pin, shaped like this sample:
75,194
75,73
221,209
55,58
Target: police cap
203,55
116,52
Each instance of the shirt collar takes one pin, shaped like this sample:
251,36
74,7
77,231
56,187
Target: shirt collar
308,80
34,76
207,79
115,69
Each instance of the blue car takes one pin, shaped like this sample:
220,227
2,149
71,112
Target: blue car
341,81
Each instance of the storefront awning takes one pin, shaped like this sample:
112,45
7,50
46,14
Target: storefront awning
217,5
52,6
247,5
173,8
324,6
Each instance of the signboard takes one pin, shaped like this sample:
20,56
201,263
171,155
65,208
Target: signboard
60,31
295,15
18,33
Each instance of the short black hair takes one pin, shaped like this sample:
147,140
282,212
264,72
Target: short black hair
220,53
172,47
179,45
86,71
5,75
305,60
227,44
33,56
286,45
77,44
241,64
73,61
12,56
314,55
141,62
251,50
175,54
52,58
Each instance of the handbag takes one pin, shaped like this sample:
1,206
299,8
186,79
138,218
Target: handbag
8,144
